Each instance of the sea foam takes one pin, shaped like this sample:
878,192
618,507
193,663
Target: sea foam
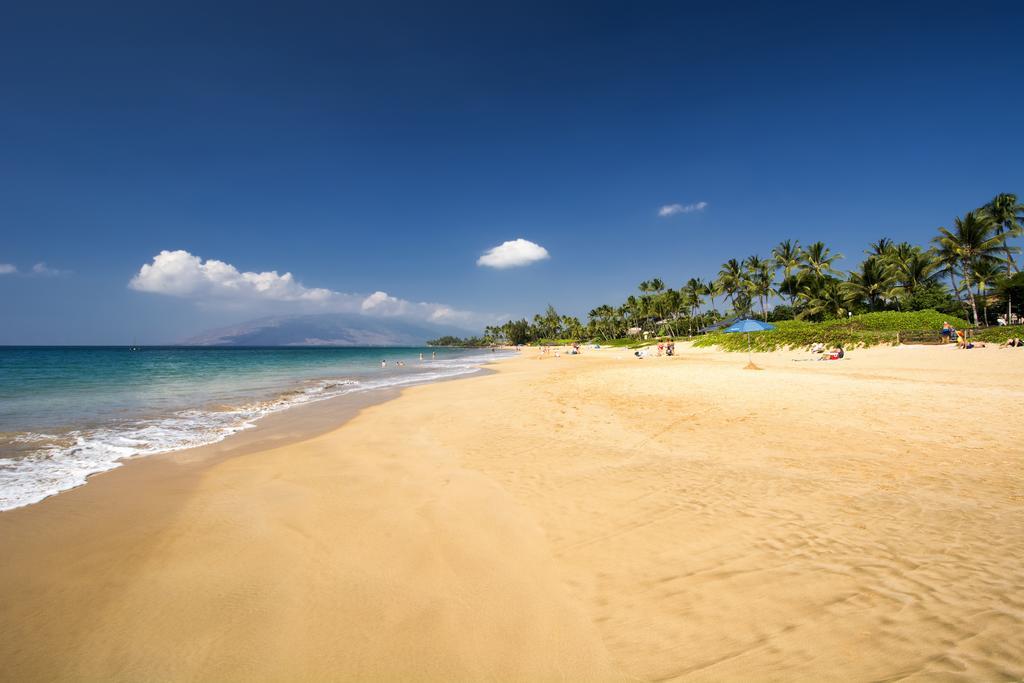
52,463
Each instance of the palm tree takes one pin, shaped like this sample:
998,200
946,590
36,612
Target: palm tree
787,255
691,293
632,305
657,287
602,318
900,252
572,327
713,289
828,297
918,269
671,301
646,288
871,283
972,240
1008,215
759,280
949,266
879,248
818,259
986,273
730,280
793,287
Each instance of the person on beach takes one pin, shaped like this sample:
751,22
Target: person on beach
661,347
383,364
433,355
961,339
947,331
835,354
1012,342
421,357
670,347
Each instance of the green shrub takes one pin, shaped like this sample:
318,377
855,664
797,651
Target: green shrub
997,335
869,329
896,321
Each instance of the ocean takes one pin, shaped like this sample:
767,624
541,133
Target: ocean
69,412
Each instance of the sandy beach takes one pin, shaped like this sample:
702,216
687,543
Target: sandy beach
596,517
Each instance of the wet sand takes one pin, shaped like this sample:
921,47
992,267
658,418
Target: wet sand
580,518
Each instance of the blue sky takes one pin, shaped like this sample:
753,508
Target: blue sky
384,147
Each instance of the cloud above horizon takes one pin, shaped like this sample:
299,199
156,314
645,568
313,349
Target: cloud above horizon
213,283
674,209
513,254
46,271
8,269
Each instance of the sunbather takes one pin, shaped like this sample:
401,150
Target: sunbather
835,354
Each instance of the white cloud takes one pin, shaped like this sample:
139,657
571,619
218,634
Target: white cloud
673,209
514,253
215,283
7,269
46,271
179,273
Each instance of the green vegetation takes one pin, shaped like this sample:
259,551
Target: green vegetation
967,275
869,329
893,321
998,335
458,341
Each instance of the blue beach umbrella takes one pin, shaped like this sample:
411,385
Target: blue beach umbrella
748,326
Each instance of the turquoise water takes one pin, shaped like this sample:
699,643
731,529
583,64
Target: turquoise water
68,412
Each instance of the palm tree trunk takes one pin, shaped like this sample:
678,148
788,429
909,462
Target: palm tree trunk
970,292
956,292
1009,258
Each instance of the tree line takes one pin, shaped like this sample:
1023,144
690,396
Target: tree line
959,272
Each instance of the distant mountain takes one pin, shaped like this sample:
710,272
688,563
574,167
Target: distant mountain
329,329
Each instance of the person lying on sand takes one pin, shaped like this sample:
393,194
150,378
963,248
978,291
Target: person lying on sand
1012,342
817,347
835,354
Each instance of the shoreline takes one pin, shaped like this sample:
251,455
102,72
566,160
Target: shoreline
272,428
596,517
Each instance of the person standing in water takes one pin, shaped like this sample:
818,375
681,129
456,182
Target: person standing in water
383,364
433,355
421,357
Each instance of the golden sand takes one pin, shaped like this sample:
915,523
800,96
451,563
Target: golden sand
576,518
